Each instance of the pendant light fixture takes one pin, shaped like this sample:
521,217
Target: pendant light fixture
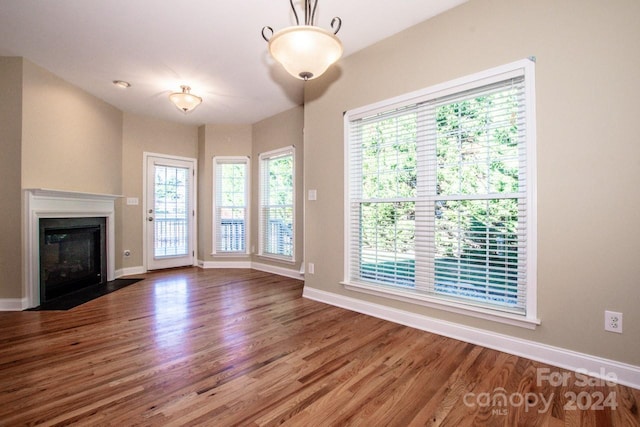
185,101
305,51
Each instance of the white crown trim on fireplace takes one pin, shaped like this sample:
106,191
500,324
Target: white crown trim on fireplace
46,203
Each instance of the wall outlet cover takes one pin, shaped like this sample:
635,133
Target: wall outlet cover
613,321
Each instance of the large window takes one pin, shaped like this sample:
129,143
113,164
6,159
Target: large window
441,195
231,213
277,204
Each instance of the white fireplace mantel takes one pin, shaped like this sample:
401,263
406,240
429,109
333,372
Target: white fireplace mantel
47,203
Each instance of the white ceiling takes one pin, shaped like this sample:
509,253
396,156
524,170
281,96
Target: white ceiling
214,46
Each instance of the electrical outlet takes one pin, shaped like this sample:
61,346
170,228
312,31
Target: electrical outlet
613,321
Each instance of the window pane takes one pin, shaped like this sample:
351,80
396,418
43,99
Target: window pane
281,181
231,206
477,151
387,236
232,230
170,210
477,249
233,184
389,158
277,210
279,231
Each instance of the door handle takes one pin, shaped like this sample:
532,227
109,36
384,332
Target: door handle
150,219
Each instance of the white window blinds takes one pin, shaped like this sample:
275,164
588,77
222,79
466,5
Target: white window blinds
231,213
277,204
438,200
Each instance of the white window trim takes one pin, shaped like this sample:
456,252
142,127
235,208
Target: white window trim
291,149
247,238
527,67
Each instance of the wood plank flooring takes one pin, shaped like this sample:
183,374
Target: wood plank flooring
242,347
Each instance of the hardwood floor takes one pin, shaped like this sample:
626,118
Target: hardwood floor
242,347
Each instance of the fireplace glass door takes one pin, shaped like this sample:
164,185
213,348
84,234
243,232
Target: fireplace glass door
72,255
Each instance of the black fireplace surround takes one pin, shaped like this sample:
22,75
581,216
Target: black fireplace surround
72,255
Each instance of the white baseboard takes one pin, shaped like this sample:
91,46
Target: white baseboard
625,374
129,271
13,304
224,264
280,271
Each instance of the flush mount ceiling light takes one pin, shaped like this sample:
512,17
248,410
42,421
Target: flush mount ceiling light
184,100
305,51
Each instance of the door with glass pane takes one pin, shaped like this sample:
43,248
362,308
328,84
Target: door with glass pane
169,215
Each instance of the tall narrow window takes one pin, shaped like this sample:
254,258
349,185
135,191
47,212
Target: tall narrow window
277,204
231,213
442,194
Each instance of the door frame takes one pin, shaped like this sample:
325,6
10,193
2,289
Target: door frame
193,230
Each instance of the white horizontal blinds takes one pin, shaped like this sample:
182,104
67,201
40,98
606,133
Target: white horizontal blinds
383,185
231,205
277,204
479,195
426,204
437,195
171,211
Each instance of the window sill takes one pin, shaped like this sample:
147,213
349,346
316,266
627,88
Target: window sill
278,259
230,254
443,304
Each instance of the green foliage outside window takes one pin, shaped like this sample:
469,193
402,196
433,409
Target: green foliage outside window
278,209
475,203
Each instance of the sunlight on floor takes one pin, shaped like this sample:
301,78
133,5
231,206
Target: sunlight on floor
171,302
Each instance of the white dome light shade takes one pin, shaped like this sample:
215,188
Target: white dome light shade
305,51
184,100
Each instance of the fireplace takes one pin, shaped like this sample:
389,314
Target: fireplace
72,255
76,232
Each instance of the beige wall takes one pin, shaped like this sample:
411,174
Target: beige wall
216,140
10,176
588,152
70,140
282,130
56,136
144,134
204,214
